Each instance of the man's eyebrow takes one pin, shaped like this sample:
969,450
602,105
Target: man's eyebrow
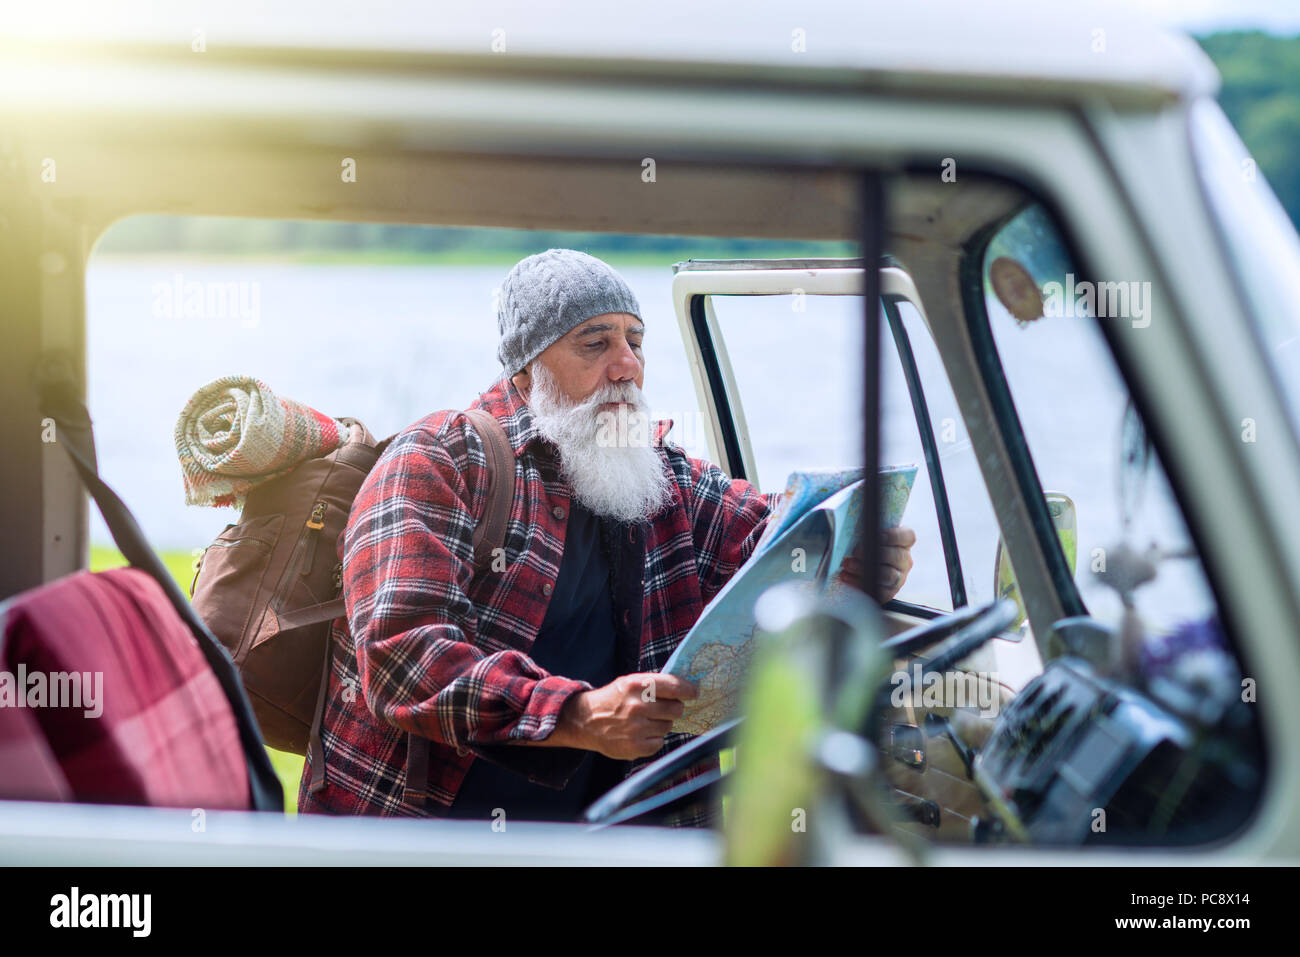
637,330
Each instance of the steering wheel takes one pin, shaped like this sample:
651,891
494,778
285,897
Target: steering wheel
938,629
626,801
964,631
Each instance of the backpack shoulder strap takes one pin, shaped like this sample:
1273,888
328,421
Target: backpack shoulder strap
490,533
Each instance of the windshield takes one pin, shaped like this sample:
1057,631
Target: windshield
1261,241
1086,438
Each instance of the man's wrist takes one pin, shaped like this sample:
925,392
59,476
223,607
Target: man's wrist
568,731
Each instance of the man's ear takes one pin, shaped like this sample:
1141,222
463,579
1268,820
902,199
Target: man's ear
523,382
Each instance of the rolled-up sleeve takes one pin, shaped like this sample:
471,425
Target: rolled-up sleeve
407,568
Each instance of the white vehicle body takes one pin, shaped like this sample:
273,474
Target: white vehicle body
548,135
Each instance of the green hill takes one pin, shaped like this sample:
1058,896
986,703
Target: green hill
1261,95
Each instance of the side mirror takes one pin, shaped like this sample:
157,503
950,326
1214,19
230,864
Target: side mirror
1065,520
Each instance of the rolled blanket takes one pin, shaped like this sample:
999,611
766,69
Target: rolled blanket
235,433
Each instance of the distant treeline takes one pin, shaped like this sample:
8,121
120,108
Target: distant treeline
1260,94
220,235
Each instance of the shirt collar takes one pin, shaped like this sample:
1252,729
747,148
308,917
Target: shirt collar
506,404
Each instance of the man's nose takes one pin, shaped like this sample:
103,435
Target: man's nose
624,366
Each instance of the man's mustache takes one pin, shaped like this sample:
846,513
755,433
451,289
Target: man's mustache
629,394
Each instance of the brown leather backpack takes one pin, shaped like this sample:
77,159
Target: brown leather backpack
268,586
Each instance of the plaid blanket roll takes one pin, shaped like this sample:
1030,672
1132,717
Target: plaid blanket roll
235,433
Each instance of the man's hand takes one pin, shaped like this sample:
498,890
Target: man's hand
625,719
895,563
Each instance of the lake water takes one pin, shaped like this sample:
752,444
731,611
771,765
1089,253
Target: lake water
389,344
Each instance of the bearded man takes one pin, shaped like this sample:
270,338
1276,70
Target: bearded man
521,691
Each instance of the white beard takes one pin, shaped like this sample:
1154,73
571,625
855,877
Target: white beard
606,456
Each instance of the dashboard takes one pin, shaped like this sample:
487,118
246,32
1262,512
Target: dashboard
1078,758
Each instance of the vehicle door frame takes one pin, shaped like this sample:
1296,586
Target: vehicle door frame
695,282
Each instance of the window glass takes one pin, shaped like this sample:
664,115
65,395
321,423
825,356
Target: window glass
1151,655
797,361
974,524
1082,434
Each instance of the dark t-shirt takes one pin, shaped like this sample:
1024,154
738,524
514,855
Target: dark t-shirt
576,640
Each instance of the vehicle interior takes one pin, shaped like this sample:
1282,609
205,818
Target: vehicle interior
1021,582
1035,760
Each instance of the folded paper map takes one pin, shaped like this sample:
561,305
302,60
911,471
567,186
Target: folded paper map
809,533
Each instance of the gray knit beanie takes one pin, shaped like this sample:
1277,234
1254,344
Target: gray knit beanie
547,295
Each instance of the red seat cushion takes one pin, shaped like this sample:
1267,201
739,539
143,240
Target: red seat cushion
166,735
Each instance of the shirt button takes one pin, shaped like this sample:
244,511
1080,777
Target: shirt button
546,589
557,512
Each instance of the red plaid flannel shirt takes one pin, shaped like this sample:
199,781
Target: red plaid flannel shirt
430,649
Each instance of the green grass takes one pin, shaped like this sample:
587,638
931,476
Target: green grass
181,565
289,769
726,763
